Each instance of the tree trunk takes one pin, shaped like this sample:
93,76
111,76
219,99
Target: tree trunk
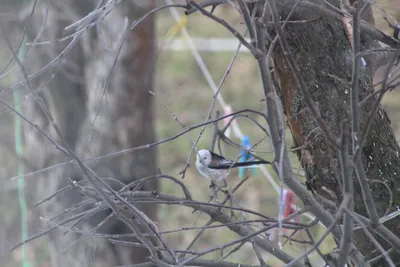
125,116
323,51
97,122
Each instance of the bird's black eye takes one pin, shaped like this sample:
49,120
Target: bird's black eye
205,157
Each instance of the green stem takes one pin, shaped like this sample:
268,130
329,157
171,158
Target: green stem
20,165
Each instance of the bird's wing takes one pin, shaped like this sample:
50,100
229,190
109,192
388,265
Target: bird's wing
217,160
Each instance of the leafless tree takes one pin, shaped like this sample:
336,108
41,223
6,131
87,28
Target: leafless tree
68,75
316,62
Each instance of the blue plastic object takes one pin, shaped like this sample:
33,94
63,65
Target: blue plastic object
246,157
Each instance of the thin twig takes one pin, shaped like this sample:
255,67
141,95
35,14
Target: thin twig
235,33
355,115
338,215
372,238
347,176
124,151
215,132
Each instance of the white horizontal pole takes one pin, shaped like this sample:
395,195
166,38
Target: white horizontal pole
204,45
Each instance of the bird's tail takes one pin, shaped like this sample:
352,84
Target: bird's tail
240,164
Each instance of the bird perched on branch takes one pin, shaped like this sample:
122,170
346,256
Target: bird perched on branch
215,167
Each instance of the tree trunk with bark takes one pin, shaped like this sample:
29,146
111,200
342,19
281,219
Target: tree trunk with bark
97,120
323,51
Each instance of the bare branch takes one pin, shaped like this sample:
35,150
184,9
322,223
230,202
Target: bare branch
347,174
365,27
235,33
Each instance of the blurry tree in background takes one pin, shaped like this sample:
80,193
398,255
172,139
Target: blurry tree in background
101,106
84,75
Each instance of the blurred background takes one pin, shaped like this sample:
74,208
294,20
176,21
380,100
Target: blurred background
102,106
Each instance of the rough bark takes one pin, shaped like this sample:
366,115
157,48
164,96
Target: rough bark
323,51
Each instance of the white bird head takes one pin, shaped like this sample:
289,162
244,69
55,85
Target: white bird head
203,157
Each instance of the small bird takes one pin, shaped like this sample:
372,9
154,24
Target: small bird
215,167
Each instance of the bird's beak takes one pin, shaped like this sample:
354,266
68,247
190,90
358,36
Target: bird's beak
199,158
